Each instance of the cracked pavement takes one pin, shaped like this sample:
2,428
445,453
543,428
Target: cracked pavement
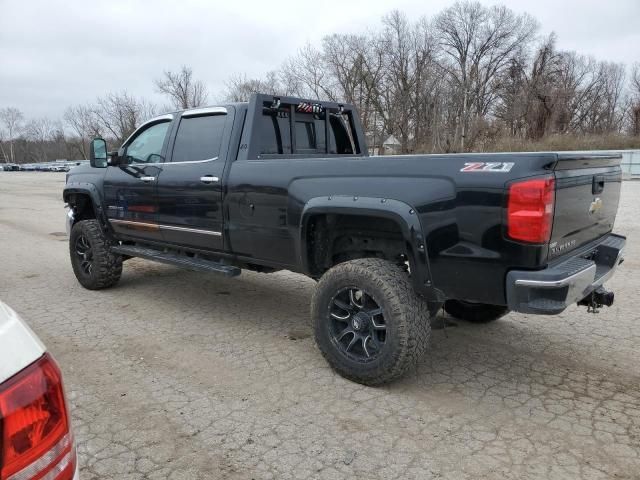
183,375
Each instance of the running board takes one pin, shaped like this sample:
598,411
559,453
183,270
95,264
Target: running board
190,263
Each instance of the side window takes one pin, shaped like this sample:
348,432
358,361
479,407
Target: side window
147,145
198,138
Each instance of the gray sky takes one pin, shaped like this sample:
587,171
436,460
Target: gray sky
56,53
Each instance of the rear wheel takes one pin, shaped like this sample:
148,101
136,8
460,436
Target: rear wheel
94,265
474,312
368,322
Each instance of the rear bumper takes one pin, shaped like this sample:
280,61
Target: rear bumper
550,291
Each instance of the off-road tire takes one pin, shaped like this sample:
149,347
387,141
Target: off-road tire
107,266
474,312
405,314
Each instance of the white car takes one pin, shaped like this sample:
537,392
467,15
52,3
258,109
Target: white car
36,441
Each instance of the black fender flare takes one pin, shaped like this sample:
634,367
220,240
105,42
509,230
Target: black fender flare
92,192
400,212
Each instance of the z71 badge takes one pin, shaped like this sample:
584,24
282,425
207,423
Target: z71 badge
497,167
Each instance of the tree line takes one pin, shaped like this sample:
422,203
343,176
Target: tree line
470,78
113,116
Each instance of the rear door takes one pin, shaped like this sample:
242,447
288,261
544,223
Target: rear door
130,188
190,187
587,195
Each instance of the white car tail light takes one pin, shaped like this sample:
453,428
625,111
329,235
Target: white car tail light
36,442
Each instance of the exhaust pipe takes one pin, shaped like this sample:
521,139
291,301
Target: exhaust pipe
597,299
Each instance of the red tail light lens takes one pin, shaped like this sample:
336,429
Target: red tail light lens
530,210
35,439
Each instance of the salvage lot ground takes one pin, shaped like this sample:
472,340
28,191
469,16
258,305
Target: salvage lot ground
175,374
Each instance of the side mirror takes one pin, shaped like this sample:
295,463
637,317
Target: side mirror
98,153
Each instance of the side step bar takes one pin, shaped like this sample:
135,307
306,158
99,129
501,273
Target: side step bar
190,263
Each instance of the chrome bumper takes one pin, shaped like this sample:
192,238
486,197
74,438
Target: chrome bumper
69,220
553,289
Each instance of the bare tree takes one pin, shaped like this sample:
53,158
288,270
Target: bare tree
3,152
354,65
239,87
11,119
634,109
547,91
118,114
306,74
477,44
471,77
85,125
42,132
182,89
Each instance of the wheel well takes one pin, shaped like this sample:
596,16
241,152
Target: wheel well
336,238
82,206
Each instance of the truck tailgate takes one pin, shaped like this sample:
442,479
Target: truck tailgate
587,195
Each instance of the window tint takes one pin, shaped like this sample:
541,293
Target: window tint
198,138
147,145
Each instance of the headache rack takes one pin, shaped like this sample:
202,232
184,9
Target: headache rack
278,126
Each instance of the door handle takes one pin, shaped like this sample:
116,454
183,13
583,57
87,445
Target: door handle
209,179
147,179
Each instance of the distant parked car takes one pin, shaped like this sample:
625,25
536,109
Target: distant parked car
36,441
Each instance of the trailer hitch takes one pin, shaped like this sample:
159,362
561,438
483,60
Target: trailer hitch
597,299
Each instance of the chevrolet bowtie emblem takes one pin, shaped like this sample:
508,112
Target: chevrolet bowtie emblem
595,206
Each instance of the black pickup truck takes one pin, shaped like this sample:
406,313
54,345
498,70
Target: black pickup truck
287,183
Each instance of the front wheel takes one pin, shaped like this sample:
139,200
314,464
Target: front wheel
94,265
368,322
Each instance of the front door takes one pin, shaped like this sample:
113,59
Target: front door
130,187
190,186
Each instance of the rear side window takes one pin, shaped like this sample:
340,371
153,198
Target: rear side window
198,138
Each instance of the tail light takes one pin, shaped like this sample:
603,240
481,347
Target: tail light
530,210
35,439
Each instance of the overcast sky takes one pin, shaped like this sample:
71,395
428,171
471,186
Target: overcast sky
56,53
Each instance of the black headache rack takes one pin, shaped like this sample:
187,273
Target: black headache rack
279,126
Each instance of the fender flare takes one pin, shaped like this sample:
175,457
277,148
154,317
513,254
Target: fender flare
92,192
401,213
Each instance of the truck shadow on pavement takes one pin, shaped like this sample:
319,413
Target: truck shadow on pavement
265,307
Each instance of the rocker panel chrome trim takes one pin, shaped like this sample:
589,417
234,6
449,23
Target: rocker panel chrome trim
165,227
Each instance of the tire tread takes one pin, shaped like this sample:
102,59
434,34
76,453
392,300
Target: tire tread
107,268
409,311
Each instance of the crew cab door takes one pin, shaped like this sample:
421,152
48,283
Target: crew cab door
130,187
190,186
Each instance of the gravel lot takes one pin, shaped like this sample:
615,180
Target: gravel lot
181,375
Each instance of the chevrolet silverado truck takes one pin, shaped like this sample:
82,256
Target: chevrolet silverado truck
287,183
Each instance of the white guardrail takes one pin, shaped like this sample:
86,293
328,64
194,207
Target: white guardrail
630,161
